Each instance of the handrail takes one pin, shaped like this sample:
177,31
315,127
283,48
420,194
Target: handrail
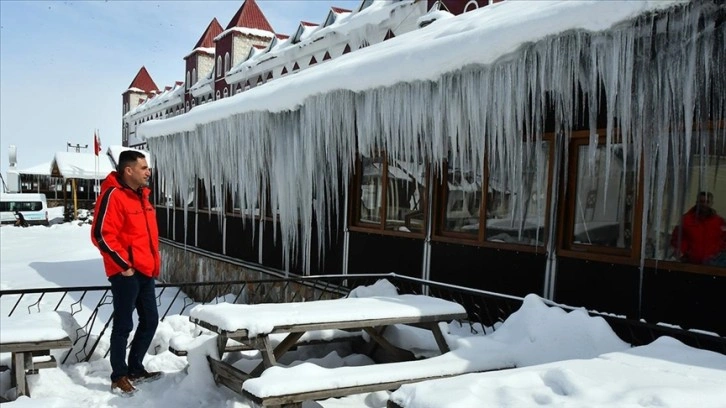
483,307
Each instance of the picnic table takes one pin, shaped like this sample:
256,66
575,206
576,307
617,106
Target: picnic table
30,338
254,324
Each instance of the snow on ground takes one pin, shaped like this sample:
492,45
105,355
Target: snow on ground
563,359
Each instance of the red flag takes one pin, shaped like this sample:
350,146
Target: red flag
96,143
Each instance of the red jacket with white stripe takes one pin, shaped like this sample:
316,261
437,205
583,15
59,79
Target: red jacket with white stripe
124,228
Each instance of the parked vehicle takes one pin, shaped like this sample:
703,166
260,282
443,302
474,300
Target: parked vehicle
33,207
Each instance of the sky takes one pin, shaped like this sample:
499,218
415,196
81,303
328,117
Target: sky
64,64
563,359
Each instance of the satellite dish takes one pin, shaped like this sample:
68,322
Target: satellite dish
13,155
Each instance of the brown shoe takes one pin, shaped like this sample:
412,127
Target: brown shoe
144,376
123,387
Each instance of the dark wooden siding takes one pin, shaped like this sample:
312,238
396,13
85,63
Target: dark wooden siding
374,253
513,272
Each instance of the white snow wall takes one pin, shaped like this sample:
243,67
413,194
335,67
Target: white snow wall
662,71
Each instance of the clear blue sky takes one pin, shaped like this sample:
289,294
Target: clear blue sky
64,64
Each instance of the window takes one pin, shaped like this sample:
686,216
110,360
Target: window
511,207
462,197
218,95
226,92
391,195
603,199
219,66
471,5
179,202
673,233
226,63
189,80
194,76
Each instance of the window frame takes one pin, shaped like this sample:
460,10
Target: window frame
566,246
439,234
354,223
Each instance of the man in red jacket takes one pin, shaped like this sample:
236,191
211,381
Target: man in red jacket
125,232
701,237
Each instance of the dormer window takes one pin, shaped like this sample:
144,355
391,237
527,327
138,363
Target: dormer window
365,4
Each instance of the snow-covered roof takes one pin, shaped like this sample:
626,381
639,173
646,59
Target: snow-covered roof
42,169
81,166
203,85
170,95
204,50
426,54
246,31
348,27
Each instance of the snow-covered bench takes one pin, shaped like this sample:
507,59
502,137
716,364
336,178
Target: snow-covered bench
255,324
535,334
30,338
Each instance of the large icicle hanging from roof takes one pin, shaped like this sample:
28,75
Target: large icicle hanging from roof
658,71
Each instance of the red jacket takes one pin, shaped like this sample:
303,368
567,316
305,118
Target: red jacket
124,229
703,237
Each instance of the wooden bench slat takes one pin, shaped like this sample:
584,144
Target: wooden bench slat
344,391
47,363
27,346
227,375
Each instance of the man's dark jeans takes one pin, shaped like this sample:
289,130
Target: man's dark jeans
129,293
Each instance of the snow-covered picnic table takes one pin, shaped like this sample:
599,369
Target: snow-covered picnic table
29,335
253,325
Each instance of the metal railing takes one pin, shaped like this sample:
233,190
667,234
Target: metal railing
92,311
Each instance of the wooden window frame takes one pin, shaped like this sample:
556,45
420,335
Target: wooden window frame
354,223
480,240
566,246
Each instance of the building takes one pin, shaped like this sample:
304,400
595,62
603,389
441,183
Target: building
557,158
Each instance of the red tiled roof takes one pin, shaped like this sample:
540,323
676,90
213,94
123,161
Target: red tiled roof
250,16
340,10
207,39
309,24
143,81
282,36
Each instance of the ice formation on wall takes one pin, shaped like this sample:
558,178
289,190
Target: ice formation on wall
660,72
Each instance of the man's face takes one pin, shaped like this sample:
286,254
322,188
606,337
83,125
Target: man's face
704,202
138,174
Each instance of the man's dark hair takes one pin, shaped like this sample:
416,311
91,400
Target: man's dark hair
707,194
128,158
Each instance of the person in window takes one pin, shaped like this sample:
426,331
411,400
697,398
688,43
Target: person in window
701,236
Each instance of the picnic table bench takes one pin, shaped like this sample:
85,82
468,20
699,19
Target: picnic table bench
254,325
30,338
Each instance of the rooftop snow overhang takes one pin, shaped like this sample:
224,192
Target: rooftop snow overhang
203,50
457,41
254,32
